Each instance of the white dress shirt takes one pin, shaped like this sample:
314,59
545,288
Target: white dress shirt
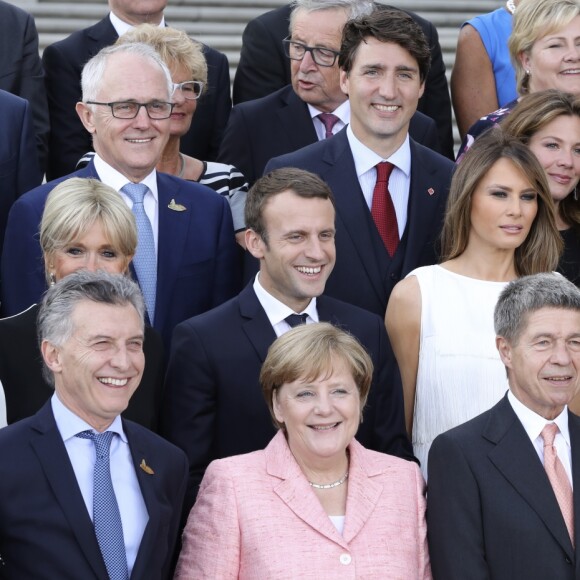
121,26
365,161
276,311
342,112
534,423
81,452
116,180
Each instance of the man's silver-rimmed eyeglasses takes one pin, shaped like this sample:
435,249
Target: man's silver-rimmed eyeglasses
191,90
130,109
321,56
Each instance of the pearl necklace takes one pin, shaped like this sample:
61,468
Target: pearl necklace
511,6
329,485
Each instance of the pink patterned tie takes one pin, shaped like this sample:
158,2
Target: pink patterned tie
383,210
329,121
558,478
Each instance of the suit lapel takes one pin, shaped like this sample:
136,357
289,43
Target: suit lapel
352,211
255,324
363,492
102,34
423,201
53,458
139,453
295,119
294,490
515,457
172,236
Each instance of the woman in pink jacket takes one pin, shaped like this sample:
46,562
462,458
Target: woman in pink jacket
314,504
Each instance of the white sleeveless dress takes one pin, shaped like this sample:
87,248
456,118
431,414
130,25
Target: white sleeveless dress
460,374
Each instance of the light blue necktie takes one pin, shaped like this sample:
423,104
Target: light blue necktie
145,260
106,516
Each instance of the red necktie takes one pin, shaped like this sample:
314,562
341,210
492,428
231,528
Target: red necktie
558,478
383,210
329,121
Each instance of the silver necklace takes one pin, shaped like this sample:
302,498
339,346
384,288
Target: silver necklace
182,170
511,6
329,485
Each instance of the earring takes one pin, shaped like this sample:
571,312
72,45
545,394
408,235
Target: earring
528,72
52,277
576,193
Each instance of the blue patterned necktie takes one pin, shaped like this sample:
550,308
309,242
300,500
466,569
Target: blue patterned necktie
106,516
145,260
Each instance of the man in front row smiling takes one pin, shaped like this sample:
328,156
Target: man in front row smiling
503,488
84,493
213,403
187,259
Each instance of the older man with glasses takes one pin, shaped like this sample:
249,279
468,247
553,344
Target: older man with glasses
186,261
313,107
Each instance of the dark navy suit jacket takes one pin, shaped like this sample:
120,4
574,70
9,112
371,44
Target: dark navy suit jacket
492,512
214,406
197,257
45,529
19,169
69,141
21,70
280,123
364,273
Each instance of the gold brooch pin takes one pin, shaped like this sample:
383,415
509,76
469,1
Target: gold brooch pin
146,468
176,206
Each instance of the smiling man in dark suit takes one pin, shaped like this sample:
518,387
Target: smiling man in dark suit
313,107
192,261
384,61
214,406
84,493
64,60
504,500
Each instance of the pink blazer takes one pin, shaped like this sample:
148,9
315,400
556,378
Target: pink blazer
256,517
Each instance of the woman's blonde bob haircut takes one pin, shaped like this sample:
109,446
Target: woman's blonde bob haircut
74,206
533,20
541,249
531,115
173,46
310,351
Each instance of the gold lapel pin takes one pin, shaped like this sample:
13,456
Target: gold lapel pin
146,468
176,206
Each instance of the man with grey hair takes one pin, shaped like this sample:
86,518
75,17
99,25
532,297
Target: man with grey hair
503,486
63,63
313,107
84,493
186,260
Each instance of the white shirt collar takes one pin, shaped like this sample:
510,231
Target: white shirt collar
534,423
365,158
69,424
342,112
277,311
116,180
121,26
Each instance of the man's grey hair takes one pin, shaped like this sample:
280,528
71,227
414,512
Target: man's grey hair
353,8
93,71
55,317
529,294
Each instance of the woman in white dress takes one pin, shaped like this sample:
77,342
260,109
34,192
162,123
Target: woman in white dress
499,225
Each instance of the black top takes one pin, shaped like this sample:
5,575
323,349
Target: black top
26,390
569,264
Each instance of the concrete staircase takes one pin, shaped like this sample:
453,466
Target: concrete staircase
219,23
